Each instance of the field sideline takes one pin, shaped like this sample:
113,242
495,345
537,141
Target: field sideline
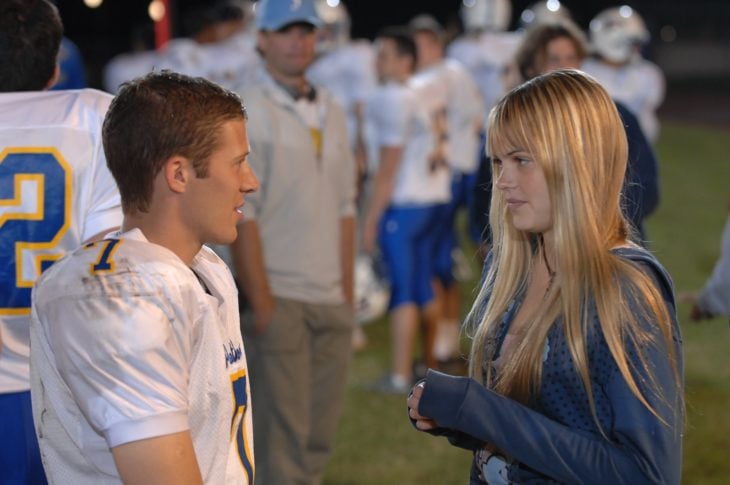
375,443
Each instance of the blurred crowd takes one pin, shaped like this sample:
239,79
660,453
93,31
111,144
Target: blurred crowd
361,158
437,118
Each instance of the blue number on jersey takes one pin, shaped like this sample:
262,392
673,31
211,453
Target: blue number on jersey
238,424
104,263
35,213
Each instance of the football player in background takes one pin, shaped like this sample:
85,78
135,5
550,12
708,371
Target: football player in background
345,67
617,35
486,48
447,90
55,193
404,199
138,368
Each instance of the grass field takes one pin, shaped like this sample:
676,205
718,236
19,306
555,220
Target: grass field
375,443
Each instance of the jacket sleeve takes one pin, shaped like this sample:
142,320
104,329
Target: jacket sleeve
638,454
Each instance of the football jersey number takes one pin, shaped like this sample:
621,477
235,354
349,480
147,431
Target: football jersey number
35,213
104,263
238,424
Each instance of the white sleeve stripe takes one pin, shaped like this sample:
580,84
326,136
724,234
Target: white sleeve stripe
149,427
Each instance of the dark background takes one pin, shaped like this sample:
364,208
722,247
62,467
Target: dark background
695,60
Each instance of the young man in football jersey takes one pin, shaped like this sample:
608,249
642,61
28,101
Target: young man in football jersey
138,367
55,193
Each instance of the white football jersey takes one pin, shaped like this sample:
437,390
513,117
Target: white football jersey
55,192
486,57
127,66
129,344
639,85
348,72
182,55
447,90
395,118
233,62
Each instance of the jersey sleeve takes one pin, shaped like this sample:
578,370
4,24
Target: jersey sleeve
105,210
124,359
362,79
389,111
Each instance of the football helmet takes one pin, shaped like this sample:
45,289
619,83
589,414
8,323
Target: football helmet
335,29
544,12
617,32
372,290
489,15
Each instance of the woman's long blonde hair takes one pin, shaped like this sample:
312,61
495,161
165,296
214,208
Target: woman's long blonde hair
570,125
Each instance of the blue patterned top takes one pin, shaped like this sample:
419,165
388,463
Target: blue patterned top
555,439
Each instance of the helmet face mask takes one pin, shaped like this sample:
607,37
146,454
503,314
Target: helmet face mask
485,15
617,33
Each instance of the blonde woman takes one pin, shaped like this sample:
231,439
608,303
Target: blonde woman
576,364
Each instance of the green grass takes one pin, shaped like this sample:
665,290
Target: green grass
375,443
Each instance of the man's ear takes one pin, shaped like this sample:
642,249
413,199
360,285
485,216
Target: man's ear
54,78
177,171
261,42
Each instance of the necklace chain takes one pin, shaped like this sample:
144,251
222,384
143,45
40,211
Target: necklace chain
551,272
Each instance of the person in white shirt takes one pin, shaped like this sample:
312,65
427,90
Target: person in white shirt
404,198
346,68
486,48
714,298
137,362
452,98
617,34
55,193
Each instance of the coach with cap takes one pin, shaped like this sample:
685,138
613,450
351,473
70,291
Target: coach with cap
294,252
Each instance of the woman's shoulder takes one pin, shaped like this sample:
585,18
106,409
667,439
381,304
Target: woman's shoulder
649,264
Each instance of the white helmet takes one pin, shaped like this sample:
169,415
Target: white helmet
372,291
545,12
335,28
490,15
617,32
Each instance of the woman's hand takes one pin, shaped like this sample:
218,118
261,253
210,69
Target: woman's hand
422,422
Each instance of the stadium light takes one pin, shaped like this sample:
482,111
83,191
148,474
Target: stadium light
156,10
